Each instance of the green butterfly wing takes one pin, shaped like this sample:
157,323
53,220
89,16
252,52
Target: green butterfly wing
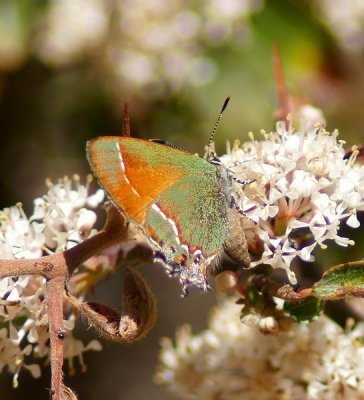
189,223
175,196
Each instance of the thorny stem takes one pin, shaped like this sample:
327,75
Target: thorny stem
63,264
126,121
57,269
115,231
283,98
54,296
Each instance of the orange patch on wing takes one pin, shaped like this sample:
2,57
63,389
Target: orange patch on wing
129,178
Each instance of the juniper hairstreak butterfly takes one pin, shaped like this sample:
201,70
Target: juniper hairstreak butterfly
184,204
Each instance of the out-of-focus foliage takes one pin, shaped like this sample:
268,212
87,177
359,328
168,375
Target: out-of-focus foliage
67,67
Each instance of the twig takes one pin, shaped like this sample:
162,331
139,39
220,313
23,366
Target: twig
63,264
57,269
54,298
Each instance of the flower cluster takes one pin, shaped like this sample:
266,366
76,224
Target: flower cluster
133,44
71,30
166,45
302,183
232,361
60,220
344,19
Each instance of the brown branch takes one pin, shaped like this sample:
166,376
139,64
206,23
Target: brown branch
57,269
63,264
54,298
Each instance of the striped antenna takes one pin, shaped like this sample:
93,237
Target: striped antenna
226,102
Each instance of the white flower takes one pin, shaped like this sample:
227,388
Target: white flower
155,45
345,21
14,358
59,221
302,181
232,361
71,29
20,237
62,210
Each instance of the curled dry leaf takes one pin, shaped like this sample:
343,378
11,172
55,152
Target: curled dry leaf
67,393
140,308
287,292
138,316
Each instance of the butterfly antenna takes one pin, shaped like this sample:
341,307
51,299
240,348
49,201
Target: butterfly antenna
226,102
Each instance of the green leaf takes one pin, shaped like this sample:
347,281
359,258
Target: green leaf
253,296
305,310
340,281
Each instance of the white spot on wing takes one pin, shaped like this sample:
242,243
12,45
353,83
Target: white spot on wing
122,166
187,250
132,188
169,220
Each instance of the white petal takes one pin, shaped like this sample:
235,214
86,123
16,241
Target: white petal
352,199
33,335
13,333
296,224
305,252
273,211
96,199
318,232
86,220
275,195
303,184
27,350
34,369
342,241
353,221
94,345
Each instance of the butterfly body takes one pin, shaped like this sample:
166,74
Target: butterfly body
180,201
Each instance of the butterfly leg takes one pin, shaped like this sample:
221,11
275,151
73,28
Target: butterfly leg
241,182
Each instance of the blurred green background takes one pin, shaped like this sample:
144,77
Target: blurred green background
68,66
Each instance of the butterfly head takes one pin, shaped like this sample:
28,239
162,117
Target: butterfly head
214,159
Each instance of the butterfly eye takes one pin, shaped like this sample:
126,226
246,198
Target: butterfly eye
215,160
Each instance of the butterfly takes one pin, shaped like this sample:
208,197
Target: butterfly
183,204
